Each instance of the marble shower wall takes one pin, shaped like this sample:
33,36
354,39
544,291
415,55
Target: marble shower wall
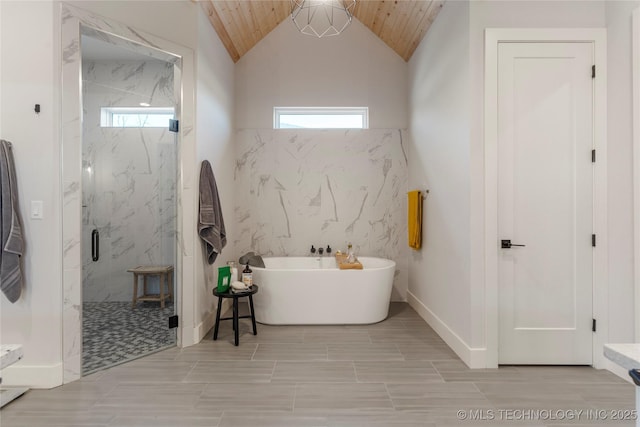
129,178
296,188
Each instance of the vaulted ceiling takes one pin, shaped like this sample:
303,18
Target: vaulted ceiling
401,24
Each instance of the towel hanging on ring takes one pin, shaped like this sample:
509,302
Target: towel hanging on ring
12,245
210,222
414,220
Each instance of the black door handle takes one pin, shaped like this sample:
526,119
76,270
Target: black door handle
95,245
506,244
635,376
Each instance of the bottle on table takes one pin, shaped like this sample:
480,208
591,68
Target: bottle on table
351,256
247,276
234,270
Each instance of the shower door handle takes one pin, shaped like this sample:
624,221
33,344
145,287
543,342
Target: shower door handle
95,245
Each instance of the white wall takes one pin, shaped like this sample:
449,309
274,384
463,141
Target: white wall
439,86
620,180
30,76
288,68
214,127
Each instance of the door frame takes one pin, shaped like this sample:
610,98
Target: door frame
493,37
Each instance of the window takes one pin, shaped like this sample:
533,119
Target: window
136,117
321,118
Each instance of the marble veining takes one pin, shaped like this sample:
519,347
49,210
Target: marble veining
70,52
129,175
296,188
149,49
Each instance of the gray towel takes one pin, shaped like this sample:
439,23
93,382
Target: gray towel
210,222
252,259
11,238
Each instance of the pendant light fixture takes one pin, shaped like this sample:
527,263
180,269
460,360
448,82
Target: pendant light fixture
322,18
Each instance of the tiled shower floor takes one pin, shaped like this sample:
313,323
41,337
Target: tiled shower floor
113,332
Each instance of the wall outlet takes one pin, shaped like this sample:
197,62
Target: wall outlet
37,209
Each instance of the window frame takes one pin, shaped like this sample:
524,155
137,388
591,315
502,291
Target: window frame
307,111
107,113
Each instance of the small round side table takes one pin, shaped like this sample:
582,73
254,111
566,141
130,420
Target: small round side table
235,296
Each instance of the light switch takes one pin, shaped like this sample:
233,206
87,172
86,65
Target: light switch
37,210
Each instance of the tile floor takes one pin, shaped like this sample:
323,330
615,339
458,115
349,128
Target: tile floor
394,373
113,332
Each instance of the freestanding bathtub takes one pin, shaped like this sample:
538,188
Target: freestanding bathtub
314,291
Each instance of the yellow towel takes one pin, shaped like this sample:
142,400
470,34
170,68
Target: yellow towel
415,219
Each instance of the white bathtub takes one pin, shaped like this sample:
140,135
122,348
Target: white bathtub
314,291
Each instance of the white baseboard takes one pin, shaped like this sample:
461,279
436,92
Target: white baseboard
189,336
209,321
205,326
34,376
474,358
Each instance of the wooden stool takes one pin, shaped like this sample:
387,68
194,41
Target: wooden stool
162,271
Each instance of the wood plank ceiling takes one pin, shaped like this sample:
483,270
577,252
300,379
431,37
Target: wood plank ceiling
401,24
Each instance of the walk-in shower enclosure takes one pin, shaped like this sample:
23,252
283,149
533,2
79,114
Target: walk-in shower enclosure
129,175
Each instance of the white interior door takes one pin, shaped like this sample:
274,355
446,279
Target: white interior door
545,202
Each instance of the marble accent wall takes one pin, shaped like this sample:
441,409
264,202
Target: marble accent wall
129,178
296,188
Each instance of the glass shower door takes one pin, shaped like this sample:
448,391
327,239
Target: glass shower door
129,206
